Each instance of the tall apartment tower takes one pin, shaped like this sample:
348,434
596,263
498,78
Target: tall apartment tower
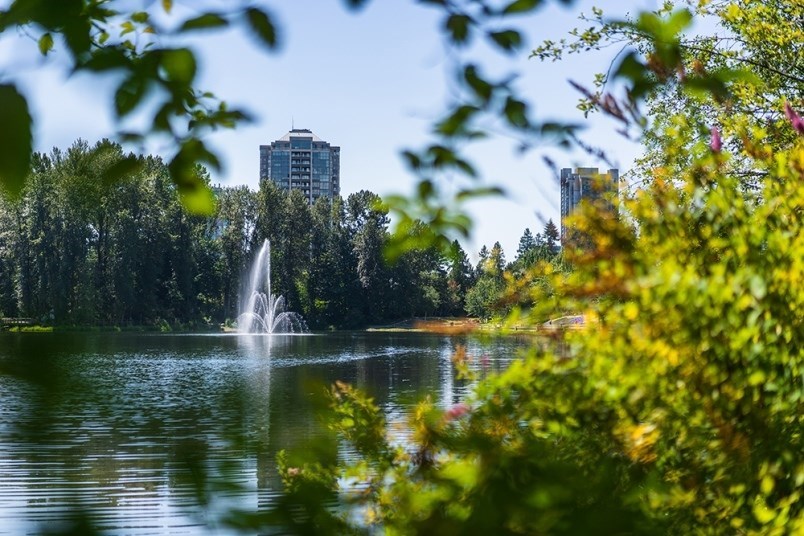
300,160
589,184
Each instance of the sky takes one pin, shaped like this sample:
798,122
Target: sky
371,82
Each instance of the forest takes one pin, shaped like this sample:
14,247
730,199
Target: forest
100,238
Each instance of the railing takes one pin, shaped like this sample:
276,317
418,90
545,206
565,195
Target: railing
16,321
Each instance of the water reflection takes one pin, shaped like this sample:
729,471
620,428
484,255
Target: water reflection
154,434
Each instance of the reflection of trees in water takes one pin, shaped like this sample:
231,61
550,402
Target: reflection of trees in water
174,430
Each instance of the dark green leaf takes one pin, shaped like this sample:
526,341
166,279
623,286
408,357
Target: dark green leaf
106,58
412,159
466,167
129,94
457,121
426,189
179,64
479,86
486,191
355,4
15,139
45,43
521,6
508,40
123,169
204,22
516,113
442,156
261,25
458,26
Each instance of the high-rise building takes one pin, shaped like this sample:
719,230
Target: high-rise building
300,160
589,184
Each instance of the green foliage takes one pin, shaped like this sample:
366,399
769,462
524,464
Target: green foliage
98,237
103,37
15,139
678,407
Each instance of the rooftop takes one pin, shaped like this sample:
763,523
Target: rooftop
299,133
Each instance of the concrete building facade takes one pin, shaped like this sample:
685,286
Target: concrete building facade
300,160
586,184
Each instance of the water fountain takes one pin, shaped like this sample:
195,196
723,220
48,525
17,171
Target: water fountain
263,312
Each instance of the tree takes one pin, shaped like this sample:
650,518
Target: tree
482,298
526,244
292,248
551,237
460,277
496,261
368,228
235,221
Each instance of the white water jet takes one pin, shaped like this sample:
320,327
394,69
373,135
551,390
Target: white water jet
263,312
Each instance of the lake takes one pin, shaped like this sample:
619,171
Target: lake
163,433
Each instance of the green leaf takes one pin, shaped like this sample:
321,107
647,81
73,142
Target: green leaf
412,159
179,65
457,25
457,121
129,94
45,43
206,21
521,6
128,27
15,139
199,200
481,87
508,40
123,169
516,113
678,21
195,195
466,167
487,191
758,287
426,189
105,59
167,5
262,26
140,17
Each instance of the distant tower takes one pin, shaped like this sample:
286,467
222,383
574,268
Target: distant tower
300,160
589,184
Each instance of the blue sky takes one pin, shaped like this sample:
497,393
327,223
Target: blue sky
371,82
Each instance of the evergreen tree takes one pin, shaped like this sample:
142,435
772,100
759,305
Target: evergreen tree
496,260
527,243
551,236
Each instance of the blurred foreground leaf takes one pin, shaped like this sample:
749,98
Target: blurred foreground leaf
15,139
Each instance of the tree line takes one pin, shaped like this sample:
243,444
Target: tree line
84,247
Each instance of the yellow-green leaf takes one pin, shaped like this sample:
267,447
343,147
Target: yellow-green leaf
45,43
179,64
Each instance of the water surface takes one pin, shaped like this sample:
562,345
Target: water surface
161,434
